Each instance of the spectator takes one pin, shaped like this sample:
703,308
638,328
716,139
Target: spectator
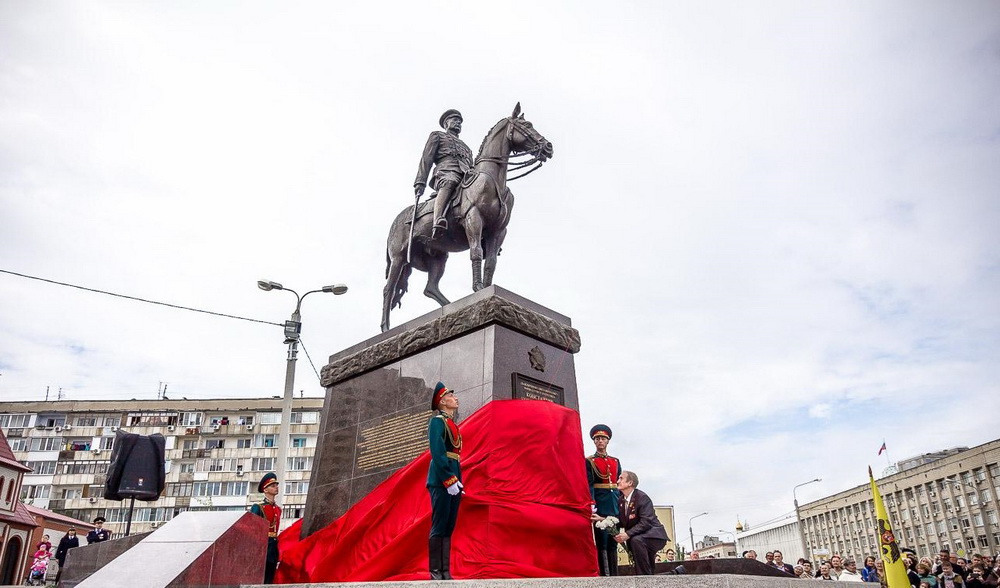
750,554
911,573
99,533
69,541
925,575
850,573
44,544
807,567
949,578
977,576
868,569
878,575
769,558
798,571
670,555
779,563
836,565
824,572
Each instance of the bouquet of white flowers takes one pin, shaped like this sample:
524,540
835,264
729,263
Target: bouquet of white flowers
607,524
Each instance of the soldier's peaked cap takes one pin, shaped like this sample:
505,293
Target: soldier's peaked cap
266,480
600,430
439,391
447,113
100,520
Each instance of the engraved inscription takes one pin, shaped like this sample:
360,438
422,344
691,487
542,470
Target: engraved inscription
392,442
531,389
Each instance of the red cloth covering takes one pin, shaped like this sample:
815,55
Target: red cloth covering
525,514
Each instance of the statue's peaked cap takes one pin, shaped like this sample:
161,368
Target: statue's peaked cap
447,113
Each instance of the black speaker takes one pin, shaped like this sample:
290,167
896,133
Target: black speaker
138,467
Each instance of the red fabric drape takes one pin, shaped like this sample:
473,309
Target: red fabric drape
525,514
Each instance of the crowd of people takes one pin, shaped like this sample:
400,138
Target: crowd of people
944,571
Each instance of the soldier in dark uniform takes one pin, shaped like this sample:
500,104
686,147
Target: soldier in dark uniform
451,158
602,475
100,533
271,512
444,480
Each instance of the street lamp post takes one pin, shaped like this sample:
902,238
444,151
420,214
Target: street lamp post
293,328
691,528
802,529
735,546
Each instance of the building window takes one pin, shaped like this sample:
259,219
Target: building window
18,444
299,463
986,495
46,444
14,421
191,419
40,491
266,440
112,421
244,443
262,464
973,499
983,542
41,467
269,418
87,421
71,493
305,418
978,519
298,441
215,443
107,442
979,474
298,487
187,468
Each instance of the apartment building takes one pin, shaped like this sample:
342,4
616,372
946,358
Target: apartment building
950,502
216,451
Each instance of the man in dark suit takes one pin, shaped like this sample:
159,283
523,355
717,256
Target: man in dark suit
642,531
779,562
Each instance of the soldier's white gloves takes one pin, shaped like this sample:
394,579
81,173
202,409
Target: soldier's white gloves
455,488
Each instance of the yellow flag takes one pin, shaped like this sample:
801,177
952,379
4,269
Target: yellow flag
895,570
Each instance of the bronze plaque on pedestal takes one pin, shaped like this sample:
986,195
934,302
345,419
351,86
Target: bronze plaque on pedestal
525,388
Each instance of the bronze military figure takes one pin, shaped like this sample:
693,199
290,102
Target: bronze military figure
480,210
451,159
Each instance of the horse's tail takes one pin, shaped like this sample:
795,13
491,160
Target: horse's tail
401,286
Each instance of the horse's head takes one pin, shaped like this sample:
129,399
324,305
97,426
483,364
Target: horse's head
524,138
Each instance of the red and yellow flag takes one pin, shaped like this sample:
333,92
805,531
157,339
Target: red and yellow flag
895,570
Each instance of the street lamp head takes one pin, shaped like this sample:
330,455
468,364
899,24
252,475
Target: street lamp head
337,289
267,286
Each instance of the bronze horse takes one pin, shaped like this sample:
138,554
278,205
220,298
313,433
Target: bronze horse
477,221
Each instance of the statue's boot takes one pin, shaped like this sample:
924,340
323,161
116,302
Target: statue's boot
440,203
434,557
446,558
440,228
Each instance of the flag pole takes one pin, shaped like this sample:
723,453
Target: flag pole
895,570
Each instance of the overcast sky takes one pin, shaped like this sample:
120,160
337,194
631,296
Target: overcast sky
775,224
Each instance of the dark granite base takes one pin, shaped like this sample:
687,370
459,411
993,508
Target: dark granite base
378,392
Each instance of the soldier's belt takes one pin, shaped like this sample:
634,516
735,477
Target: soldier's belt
606,486
452,455
272,534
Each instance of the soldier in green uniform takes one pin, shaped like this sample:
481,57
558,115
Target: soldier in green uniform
271,512
444,480
602,475
451,158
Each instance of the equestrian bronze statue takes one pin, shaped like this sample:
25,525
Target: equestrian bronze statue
476,216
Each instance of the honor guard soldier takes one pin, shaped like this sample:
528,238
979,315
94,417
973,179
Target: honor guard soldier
451,158
444,480
602,475
271,512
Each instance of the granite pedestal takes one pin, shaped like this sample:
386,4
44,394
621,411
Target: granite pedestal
492,345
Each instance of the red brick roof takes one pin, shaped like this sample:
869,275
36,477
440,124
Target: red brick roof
54,516
7,456
20,517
